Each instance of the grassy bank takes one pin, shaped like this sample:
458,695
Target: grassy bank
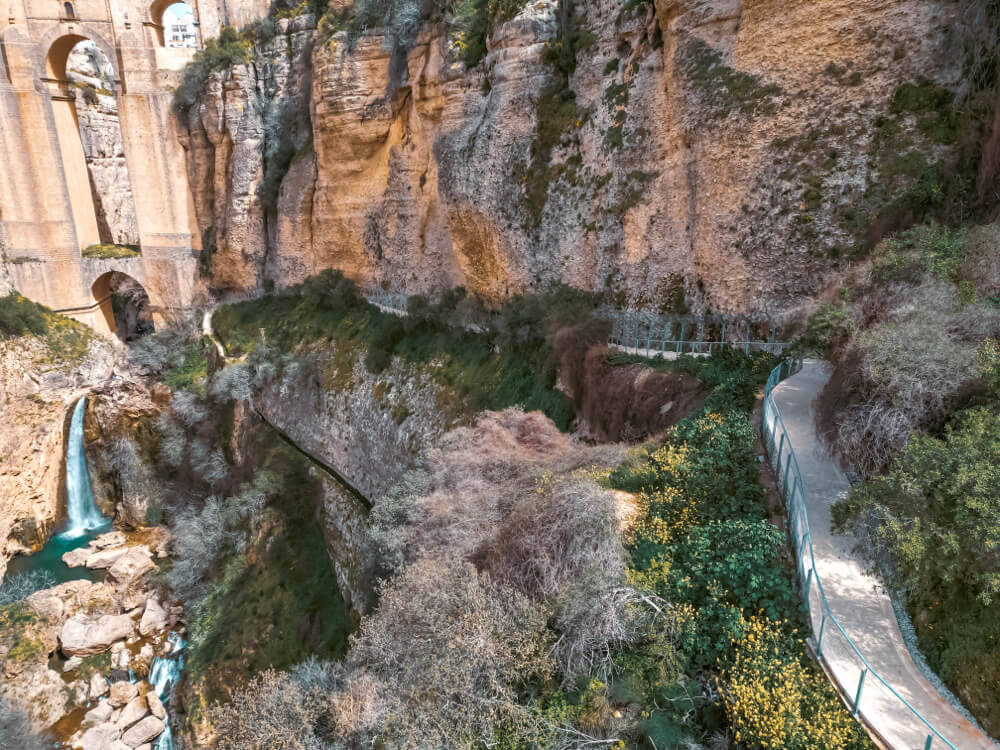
511,363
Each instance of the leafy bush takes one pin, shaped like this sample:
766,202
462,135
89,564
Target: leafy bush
941,493
19,316
229,49
474,20
775,702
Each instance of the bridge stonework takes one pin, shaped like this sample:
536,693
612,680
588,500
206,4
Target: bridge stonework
46,209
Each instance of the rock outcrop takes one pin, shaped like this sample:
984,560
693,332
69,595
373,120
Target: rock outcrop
104,151
82,635
37,389
716,153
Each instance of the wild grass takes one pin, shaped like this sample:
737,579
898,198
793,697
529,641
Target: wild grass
107,251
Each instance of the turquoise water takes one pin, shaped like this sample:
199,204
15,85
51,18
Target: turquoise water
83,520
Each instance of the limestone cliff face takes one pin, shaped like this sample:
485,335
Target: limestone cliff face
35,397
718,148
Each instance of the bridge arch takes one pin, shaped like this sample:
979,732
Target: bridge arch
122,305
56,44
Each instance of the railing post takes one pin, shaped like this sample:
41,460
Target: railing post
649,337
930,739
861,686
819,638
723,337
781,446
809,580
663,344
680,344
784,482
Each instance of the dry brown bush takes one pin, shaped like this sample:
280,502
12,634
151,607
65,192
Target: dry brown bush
621,402
444,654
914,363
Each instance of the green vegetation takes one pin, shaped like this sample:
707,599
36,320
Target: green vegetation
723,91
475,20
277,601
914,404
18,623
328,307
94,664
66,340
20,316
702,541
938,512
108,251
230,48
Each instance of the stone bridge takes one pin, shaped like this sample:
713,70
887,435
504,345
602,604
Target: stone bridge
47,213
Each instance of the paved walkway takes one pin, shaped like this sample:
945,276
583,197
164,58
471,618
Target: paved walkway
857,599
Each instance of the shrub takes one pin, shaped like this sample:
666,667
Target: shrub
474,21
941,493
19,316
20,586
494,639
230,48
272,710
775,703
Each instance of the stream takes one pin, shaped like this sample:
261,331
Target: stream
84,523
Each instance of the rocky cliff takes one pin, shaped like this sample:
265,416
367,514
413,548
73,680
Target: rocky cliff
36,392
104,151
719,153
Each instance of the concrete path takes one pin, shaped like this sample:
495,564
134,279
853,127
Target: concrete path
857,599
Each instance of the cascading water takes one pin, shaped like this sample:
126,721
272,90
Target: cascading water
81,510
163,675
83,519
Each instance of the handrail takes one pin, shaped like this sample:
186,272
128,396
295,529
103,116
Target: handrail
795,505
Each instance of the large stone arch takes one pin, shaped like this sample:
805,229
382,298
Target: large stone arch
97,276
38,223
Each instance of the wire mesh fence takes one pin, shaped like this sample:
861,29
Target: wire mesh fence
670,336
867,692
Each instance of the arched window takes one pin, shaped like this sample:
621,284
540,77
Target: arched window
68,7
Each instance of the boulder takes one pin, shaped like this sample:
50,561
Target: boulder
132,564
82,636
98,686
146,730
72,663
99,714
78,692
121,693
111,539
76,557
105,558
154,618
119,745
40,688
144,746
133,711
98,738
120,657
155,705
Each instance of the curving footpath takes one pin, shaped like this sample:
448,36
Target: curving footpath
856,599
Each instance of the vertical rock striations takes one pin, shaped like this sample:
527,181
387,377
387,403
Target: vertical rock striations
714,152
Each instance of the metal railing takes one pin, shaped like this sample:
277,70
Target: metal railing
663,336
788,477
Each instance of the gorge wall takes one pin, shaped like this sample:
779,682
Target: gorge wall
726,151
36,394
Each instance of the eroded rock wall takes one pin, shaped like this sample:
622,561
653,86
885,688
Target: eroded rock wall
719,150
36,394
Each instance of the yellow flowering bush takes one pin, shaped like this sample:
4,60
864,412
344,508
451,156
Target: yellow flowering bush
774,701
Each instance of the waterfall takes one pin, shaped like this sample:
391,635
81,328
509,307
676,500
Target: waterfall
163,675
82,513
